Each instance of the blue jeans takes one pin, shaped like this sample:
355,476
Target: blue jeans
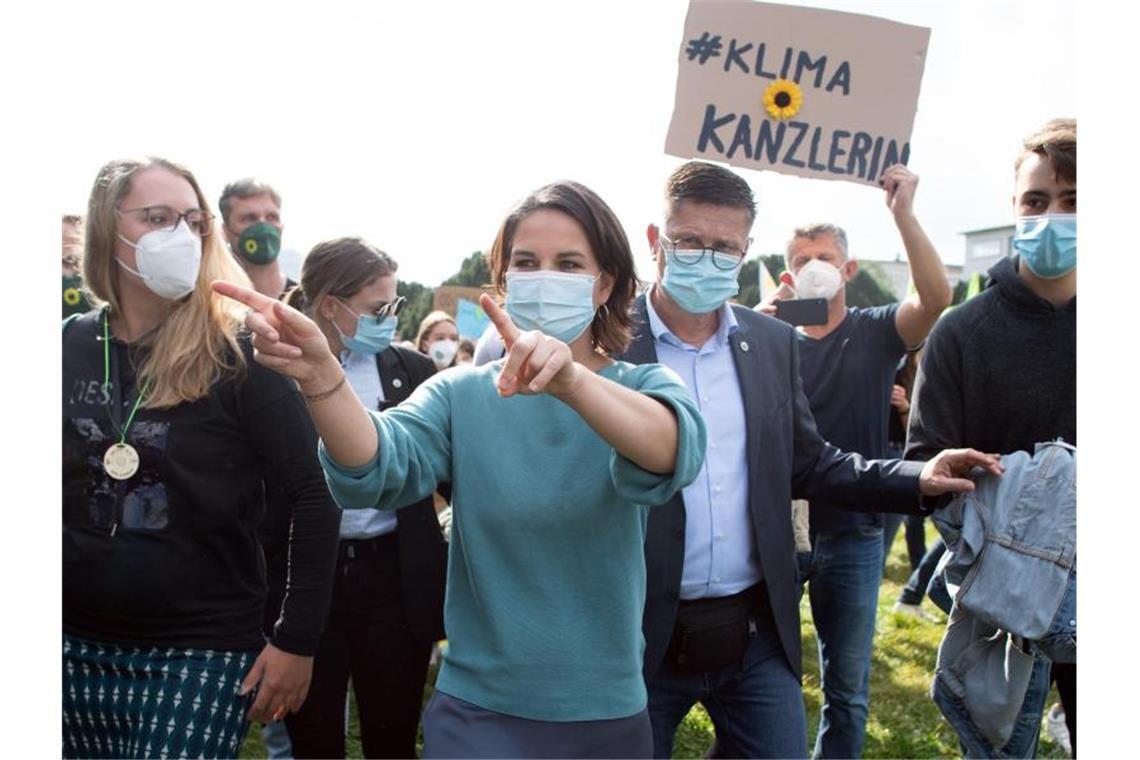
843,584
919,581
757,707
1059,644
915,536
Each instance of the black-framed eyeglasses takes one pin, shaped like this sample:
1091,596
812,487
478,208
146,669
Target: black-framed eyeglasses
390,309
690,250
166,218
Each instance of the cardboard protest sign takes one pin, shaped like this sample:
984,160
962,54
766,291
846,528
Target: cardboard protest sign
446,297
800,91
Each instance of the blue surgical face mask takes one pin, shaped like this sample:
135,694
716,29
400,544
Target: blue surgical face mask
1047,244
559,304
371,336
702,287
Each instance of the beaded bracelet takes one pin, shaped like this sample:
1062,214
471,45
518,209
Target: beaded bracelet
322,396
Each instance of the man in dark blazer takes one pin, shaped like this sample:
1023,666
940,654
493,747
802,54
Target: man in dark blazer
721,617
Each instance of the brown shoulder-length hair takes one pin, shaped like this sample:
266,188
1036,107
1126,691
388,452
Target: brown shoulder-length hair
195,346
612,326
340,268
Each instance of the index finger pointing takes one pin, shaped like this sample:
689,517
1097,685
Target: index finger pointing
501,320
247,296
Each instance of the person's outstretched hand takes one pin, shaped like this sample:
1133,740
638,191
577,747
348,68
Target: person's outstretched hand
946,472
284,339
535,362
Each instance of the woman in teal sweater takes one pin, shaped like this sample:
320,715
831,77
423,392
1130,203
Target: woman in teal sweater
555,453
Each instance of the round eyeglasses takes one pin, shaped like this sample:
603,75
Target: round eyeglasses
166,218
690,250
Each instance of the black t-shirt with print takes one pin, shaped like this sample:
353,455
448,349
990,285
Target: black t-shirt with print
170,556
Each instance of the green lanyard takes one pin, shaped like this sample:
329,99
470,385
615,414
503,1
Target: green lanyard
107,380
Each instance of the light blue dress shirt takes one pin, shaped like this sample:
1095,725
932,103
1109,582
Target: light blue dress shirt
364,378
720,555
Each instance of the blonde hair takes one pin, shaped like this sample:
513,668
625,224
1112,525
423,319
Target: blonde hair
429,322
196,343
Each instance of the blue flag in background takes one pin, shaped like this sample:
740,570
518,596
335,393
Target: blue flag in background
470,319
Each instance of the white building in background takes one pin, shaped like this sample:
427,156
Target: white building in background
895,275
985,247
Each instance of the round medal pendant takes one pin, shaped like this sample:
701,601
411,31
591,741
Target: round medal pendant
121,461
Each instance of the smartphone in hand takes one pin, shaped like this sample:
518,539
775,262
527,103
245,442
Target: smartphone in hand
802,311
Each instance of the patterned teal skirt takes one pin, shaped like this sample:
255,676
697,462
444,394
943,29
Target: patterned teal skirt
143,702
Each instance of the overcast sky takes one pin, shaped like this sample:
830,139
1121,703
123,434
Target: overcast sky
416,125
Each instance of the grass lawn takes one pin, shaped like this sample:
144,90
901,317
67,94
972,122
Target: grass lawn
904,721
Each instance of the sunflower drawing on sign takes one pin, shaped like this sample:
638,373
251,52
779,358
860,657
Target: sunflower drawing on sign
783,99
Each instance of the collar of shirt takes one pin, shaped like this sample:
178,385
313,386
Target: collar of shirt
363,376
726,326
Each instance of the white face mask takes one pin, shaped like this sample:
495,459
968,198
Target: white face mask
442,352
167,260
818,279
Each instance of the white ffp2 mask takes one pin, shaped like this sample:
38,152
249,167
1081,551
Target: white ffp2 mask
167,260
818,279
442,352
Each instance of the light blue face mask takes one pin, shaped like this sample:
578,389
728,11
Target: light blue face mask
1047,244
702,287
559,304
371,336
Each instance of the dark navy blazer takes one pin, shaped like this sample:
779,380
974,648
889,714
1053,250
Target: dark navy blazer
786,459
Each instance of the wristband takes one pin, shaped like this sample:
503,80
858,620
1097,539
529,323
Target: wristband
322,396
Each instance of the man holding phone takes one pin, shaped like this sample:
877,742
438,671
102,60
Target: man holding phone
848,365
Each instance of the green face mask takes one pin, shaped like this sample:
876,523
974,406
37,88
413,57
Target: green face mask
74,301
260,243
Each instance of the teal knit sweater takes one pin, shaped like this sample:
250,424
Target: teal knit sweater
546,573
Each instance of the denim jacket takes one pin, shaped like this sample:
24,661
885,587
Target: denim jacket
1013,540
1011,551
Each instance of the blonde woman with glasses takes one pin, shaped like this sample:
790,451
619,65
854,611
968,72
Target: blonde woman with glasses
169,432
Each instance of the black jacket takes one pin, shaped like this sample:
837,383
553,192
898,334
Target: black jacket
423,552
999,373
170,556
786,459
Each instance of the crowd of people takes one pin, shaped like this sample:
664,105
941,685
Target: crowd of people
269,498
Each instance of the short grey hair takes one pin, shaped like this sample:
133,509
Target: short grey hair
813,231
244,188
